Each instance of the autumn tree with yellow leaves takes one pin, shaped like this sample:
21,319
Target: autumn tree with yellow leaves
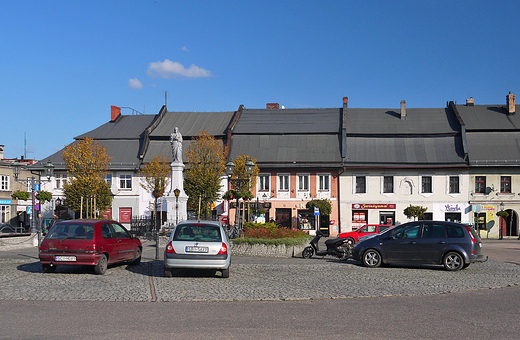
87,164
206,165
155,176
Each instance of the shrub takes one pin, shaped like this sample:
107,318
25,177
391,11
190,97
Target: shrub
288,242
271,233
21,195
252,225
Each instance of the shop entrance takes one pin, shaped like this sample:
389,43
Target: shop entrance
509,225
283,217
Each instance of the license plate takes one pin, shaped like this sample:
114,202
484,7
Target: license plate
197,249
65,258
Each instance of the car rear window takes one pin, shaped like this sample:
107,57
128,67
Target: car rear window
197,232
454,231
71,231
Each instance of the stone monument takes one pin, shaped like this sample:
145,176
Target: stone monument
176,206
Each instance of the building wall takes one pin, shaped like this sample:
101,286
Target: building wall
375,204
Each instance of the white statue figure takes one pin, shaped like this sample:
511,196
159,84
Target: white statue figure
176,142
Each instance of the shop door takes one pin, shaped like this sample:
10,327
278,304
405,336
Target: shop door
283,217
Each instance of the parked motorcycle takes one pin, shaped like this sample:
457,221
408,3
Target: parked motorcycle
335,247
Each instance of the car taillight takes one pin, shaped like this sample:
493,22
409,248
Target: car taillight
223,249
470,234
91,249
169,248
43,248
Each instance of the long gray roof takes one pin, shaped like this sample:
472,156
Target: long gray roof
288,121
494,148
191,123
288,137
388,121
404,152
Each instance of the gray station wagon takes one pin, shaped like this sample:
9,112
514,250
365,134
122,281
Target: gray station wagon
453,245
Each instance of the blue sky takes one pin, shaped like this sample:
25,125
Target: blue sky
64,63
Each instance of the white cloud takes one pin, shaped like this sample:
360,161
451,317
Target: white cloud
168,69
185,49
135,83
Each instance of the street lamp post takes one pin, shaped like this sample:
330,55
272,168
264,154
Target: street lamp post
238,183
32,182
177,192
156,194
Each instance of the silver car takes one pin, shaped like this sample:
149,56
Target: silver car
197,245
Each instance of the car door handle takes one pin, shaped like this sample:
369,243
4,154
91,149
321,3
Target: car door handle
441,242
413,242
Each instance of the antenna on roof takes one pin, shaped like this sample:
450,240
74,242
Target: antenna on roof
166,99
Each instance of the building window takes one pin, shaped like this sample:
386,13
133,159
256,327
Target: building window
303,182
60,180
361,184
454,185
263,182
388,184
4,183
125,181
480,184
505,184
283,182
323,182
108,179
426,185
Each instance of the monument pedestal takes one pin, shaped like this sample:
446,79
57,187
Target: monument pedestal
177,207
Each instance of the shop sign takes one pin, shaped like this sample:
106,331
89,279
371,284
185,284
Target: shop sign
452,207
6,202
373,206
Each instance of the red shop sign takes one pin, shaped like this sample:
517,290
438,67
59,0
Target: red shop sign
373,206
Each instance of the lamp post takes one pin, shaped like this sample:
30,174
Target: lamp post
238,183
177,192
156,194
32,181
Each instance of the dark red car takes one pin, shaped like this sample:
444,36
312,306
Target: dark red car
368,229
96,243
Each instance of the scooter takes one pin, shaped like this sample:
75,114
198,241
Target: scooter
335,247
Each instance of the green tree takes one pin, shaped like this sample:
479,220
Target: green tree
240,171
44,196
322,204
87,164
206,165
415,211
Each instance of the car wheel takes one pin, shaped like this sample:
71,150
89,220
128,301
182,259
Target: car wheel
307,252
101,267
371,258
47,268
350,242
453,261
137,257
225,272
168,272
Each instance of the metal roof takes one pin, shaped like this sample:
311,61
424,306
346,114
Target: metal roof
284,150
488,117
162,147
288,121
191,123
125,127
403,151
493,148
389,121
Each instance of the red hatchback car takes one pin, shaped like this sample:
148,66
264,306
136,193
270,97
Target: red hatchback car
368,229
96,243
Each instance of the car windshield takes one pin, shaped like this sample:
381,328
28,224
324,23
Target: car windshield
71,231
197,232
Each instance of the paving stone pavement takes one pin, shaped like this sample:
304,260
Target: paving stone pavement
251,278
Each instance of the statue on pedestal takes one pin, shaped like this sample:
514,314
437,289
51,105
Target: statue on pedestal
176,142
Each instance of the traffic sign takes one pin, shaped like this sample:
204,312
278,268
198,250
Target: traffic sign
316,211
37,207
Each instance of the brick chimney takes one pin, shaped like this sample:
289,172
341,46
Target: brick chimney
511,104
403,109
272,106
114,113
345,102
470,102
